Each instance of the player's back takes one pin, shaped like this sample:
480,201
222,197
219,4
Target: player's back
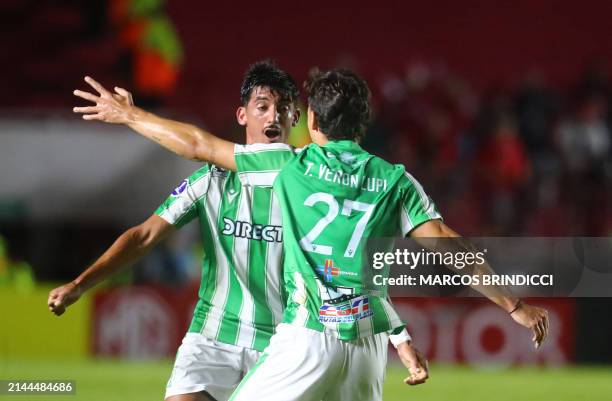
334,198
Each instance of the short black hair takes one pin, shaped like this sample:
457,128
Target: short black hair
267,74
340,100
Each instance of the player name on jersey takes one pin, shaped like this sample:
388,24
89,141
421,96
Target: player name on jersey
370,184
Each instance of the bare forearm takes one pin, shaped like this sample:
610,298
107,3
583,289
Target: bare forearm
127,249
186,140
498,294
427,236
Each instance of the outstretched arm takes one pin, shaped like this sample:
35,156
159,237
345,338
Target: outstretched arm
185,140
529,316
127,249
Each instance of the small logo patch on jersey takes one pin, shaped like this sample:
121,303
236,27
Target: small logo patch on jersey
346,312
347,158
231,195
181,188
218,172
329,271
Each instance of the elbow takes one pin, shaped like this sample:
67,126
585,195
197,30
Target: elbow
199,146
142,237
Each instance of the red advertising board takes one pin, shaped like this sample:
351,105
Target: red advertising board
475,331
140,322
149,322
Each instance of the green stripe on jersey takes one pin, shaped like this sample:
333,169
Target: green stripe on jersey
231,307
262,316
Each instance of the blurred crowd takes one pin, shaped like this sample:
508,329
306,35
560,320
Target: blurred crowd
523,159
527,158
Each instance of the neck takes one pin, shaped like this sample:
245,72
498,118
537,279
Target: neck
319,138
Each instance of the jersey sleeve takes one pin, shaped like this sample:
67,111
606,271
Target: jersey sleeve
417,207
259,164
399,335
181,206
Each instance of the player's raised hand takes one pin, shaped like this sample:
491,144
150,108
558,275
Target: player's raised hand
416,363
61,297
535,319
109,107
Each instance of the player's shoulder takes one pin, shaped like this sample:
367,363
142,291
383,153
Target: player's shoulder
203,171
386,167
207,172
397,172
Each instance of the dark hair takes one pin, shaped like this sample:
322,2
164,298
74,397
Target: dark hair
265,73
340,100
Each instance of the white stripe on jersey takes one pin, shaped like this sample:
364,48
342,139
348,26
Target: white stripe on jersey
213,205
274,279
392,315
259,178
246,332
261,147
406,224
428,206
366,325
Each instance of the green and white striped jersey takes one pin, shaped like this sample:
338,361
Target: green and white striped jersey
333,199
240,297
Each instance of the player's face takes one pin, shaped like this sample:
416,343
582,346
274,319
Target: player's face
267,117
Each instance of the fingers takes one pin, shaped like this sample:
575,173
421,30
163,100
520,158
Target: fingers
543,326
537,334
125,95
59,310
423,363
56,304
97,116
418,371
99,88
123,92
540,327
418,377
86,96
88,109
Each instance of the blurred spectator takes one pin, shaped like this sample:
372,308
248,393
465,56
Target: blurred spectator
154,47
584,138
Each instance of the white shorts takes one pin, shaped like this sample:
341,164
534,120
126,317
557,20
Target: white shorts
308,365
203,364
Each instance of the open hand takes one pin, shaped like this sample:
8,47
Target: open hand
110,107
533,318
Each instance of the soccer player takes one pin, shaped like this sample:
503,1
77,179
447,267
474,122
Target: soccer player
334,196
240,297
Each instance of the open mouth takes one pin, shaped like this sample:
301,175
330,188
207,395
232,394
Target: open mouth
272,132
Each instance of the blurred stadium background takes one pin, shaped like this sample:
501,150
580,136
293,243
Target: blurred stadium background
501,110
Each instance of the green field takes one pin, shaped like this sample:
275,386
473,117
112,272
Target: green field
107,380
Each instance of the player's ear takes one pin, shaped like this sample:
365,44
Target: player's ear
296,117
312,121
241,115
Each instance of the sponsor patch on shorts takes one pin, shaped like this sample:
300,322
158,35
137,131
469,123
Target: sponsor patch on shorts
345,312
